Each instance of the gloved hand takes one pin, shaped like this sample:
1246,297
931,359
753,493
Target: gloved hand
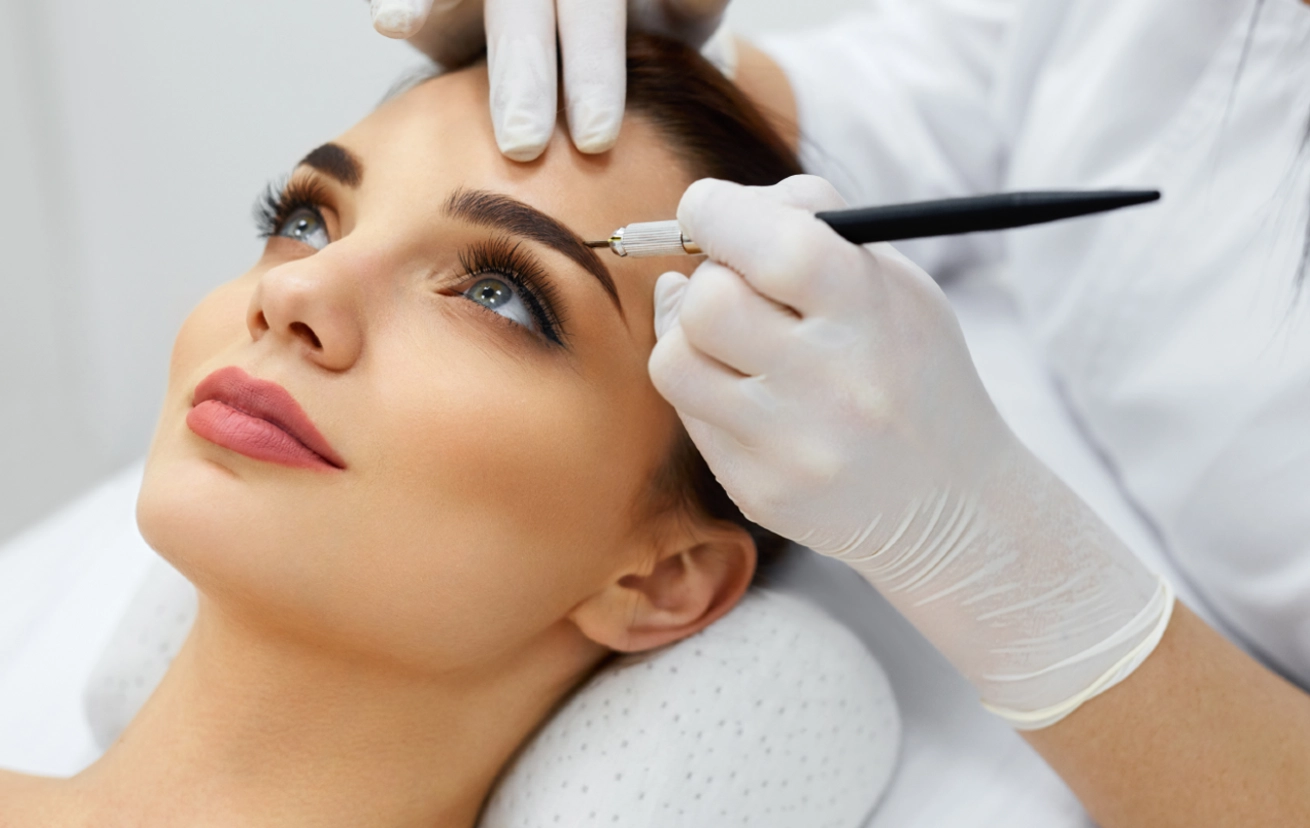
829,388
520,40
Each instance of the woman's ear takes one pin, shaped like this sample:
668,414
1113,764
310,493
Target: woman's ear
695,579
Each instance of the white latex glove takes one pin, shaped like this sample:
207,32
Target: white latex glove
520,39
830,390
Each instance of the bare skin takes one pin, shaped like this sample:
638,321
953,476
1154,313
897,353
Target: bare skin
1200,734
345,671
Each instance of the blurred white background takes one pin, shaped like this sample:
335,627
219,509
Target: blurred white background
134,138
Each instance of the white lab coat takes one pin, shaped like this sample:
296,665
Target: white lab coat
1176,331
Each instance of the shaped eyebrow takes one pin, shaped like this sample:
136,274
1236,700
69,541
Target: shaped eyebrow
337,162
500,211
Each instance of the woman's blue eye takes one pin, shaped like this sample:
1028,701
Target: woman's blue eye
503,297
305,226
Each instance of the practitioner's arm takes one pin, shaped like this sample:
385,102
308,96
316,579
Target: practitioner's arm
830,390
1200,734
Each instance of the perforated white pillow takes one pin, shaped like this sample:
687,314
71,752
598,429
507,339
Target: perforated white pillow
776,715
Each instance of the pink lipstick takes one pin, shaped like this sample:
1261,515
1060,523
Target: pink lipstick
259,419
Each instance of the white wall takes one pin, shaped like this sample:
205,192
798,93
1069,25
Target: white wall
134,138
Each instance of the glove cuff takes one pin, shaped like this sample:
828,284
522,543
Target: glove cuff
1154,617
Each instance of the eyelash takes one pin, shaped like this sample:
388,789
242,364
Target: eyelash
280,199
497,256
502,257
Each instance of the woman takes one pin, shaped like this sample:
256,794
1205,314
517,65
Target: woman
415,466
1177,332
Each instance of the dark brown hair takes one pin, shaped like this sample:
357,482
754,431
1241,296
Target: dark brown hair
717,132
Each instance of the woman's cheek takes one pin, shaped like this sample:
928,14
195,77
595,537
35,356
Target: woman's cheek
489,456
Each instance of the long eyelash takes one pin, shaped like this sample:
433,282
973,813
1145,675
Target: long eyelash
504,258
281,198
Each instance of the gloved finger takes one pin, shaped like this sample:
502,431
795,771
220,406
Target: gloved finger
521,65
784,252
593,46
806,192
699,387
669,290
401,18
726,319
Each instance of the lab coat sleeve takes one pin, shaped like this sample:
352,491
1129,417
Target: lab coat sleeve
1242,532
902,101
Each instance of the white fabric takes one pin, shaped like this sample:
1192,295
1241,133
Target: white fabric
142,648
774,716
1175,330
66,584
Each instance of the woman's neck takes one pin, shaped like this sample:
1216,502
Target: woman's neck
252,729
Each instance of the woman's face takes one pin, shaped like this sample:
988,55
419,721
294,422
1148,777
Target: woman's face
481,378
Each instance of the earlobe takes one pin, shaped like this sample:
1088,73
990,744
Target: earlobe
690,586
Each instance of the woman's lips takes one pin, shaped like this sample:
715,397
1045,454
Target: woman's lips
259,419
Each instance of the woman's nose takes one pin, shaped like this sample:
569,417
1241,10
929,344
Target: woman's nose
309,306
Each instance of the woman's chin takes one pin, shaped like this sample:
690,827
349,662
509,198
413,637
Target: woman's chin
210,517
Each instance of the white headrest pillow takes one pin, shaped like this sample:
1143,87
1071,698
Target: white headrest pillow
776,715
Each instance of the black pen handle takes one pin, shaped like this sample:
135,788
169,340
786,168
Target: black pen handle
999,211
895,222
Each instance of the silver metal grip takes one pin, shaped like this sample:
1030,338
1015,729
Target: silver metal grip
652,238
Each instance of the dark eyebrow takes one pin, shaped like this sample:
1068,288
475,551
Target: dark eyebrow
337,162
513,216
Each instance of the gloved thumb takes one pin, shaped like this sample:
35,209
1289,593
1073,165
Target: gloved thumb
669,290
402,18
